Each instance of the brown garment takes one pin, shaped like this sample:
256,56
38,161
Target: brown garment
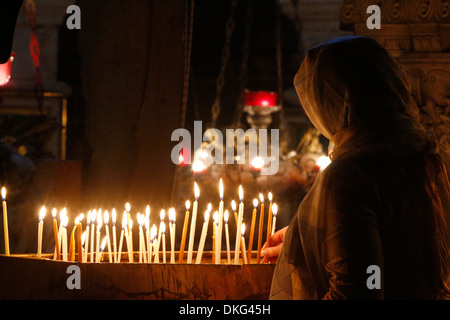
371,205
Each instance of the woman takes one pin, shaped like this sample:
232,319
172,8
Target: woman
382,204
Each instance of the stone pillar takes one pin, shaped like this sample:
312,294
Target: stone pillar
418,33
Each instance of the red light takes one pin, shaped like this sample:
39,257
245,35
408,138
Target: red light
5,71
260,98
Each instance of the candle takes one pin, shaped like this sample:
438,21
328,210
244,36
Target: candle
86,241
55,233
5,222
101,249
183,235
62,214
84,237
93,219
147,233
80,233
193,223
139,220
233,207
153,234
269,217
172,220
128,210
72,241
201,244
275,211
113,219
122,233
215,220
218,242
130,241
42,213
162,215
99,231
260,229
244,255
108,238
252,230
227,237
64,222
241,213
162,227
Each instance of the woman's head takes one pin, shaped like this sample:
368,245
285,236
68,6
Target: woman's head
352,81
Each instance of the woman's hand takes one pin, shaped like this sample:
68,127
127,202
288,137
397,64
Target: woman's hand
272,248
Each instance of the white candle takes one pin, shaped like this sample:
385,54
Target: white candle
227,237
101,249
142,253
202,238
172,220
86,241
153,233
84,238
64,222
5,222
113,218
218,242
108,241
244,255
157,243
274,213
130,241
193,223
240,215
147,232
42,213
99,231
94,218
122,233
163,239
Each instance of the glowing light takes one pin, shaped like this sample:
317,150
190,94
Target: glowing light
255,203
323,162
196,191
257,162
198,166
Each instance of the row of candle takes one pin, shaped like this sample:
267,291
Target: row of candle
151,241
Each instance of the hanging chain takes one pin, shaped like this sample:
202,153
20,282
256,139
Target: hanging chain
188,32
35,52
215,109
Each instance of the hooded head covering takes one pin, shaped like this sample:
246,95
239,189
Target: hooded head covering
351,88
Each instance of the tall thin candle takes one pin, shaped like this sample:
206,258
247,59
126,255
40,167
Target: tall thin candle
122,233
99,231
218,243
108,238
244,255
201,244
42,213
55,233
193,223
64,222
5,222
227,236
113,219
86,240
183,235
79,242
269,217
240,216
153,233
252,230
163,239
94,218
275,212
172,220
260,229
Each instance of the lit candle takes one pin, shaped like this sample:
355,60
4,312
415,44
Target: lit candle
130,241
55,233
183,236
244,255
80,233
269,217
108,238
122,233
275,211
113,218
227,237
62,215
260,229
86,241
93,219
99,231
142,253
5,222
219,224
215,220
64,222
241,213
72,241
163,239
201,245
157,243
162,215
153,233
252,230
147,233
233,207
128,210
172,220
193,223
42,213
101,249
84,237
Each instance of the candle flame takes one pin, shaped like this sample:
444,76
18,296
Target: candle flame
124,221
261,197
106,217
243,229
62,213
81,217
207,213
233,205
209,208
162,214
99,221
147,211
241,193
42,213
114,216
323,162
274,209
54,212
64,221
162,227
153,232
83,237
94,216
147,223
103,245
196,191
4,193
216,217
188,205
172,215
270,196
257,163
255,203
221,189
225,216
198,166
127,207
